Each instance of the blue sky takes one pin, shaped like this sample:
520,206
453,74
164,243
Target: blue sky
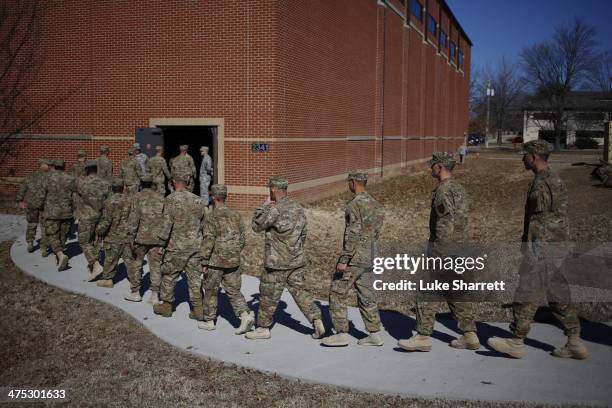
503,27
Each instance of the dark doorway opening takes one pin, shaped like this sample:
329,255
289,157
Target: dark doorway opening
195,137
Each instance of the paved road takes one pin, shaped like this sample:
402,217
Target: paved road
443,373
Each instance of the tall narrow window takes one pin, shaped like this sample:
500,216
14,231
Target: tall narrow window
416,8
453,49
431,25
443,39
460,58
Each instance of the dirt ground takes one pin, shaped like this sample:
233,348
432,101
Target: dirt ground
53,339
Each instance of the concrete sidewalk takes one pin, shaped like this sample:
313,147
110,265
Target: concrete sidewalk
442,373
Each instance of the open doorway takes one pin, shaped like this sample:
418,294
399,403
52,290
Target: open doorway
194,137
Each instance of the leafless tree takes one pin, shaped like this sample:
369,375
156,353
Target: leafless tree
601,74
559,65
506,80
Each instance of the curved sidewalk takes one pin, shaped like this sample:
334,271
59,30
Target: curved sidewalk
442,373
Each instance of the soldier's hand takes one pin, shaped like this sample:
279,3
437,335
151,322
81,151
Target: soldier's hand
160,251
341,267
204,270
22,205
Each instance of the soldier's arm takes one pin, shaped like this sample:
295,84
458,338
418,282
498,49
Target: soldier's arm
23,189
193,167
138,170
209,235
351,234
242,239
444,210
106,219
543,198
133,221
264,218
165,168
167,220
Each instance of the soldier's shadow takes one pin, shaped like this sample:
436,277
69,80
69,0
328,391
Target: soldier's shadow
281,316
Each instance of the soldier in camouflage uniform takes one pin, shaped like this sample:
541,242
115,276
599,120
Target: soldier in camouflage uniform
284,223
114,229
131,173
144,228
183,166
92,192
448,221
105,165
57,193
141,158
364,219
30,199
546,223
222,242
78,168
158,169
206,173
182,230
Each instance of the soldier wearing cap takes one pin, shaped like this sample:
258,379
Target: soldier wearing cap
206,173
284,223
78,168
57,194
30,199
448,223
364,218
181,233
144,229
92,191
546,225
141,158
105,165
184,167
158,169
131,172
222,242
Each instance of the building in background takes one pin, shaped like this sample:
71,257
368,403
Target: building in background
304,89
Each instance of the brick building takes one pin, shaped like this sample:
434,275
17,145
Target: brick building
306,89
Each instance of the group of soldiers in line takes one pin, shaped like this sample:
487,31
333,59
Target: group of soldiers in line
180,233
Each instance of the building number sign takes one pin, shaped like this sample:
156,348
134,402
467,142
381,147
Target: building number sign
259,147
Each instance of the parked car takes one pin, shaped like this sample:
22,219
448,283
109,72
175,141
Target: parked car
475,139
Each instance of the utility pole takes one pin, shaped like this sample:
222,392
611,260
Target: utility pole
490,93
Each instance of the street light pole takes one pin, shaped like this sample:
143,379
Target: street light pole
490,93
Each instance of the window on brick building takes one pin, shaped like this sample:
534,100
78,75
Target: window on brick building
453,49
416,8
431,25
460,58
443,39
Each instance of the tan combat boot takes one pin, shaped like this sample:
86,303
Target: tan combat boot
133,297
319,329
417,342
336,340
44,251
30,247
163,309
207,325
469,341
246,322
62,261
514,347
574,348
374,339
95,271
197,313
105,283
260,333
153,298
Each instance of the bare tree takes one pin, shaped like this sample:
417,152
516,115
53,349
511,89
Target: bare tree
601,74
556,67
508,84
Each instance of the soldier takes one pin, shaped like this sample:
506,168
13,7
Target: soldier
182,230
131,172
206,173
546,221
57,192
223,241
78,168
364,219
448,223
284,223
183,166
92,192
30,199
158,169
105,165
144,229
114,228
141,158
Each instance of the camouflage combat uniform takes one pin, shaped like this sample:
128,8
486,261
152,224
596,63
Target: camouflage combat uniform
223,241
158,170
183,165
105,168
131,173
182,230
78,169
206,173
144,225
58,193
30,192
448,222
364,218
284,224
92,192
114,227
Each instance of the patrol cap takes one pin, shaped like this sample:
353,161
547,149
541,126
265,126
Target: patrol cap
91,164
203,148
44,161
278,182
443,158
136,146
159,148
104,149
359,175
536,146
219,190
58,163
184,147
81,153
131,151
181,177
